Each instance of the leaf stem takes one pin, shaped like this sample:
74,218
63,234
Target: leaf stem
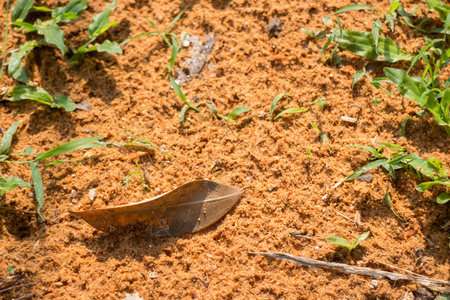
6,39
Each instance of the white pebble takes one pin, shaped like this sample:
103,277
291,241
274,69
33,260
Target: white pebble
91,194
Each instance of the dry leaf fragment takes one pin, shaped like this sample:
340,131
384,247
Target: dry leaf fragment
188,208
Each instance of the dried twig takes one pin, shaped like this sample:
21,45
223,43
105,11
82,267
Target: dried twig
347,218
26,296
434,284
19,286
7,251
296,234
394,267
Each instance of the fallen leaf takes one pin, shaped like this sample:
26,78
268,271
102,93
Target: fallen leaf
188,208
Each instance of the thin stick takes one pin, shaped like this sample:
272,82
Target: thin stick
6,40
16,210
344,216
26,296
434,284
394,267
296,234
19,286
7,251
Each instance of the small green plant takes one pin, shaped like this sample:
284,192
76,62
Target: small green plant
188,105
170,39
141,176
139,141
427,91
49,34
319,101
232,115
387,198
287,111
314,34
10,270
321,134
345,243
399,159
36,163
9,183
99,24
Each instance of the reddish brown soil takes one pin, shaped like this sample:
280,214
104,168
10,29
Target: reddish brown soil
284,187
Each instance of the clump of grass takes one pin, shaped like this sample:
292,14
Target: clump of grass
287,111
232,115
141,176
345,243
319,101
36,164
323,137
99,24
431,168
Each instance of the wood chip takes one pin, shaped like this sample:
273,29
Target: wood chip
348,119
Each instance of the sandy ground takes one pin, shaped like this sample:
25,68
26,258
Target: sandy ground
284,187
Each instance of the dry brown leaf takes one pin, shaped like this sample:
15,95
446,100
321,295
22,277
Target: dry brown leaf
188,208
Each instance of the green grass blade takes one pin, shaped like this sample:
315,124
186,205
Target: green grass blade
353,7
275,101
372,151
375,33
7,138
331,37
403,126
319,101
358,75
376,101
173,56
368,167
393,146
38,187
361,43
237,111
291,111
174,21
20,11
309,33
180,94
315,127
182,117
159,32
387,198
69,147
5,44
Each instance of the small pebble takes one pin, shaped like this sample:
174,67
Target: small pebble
91,194
374,283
